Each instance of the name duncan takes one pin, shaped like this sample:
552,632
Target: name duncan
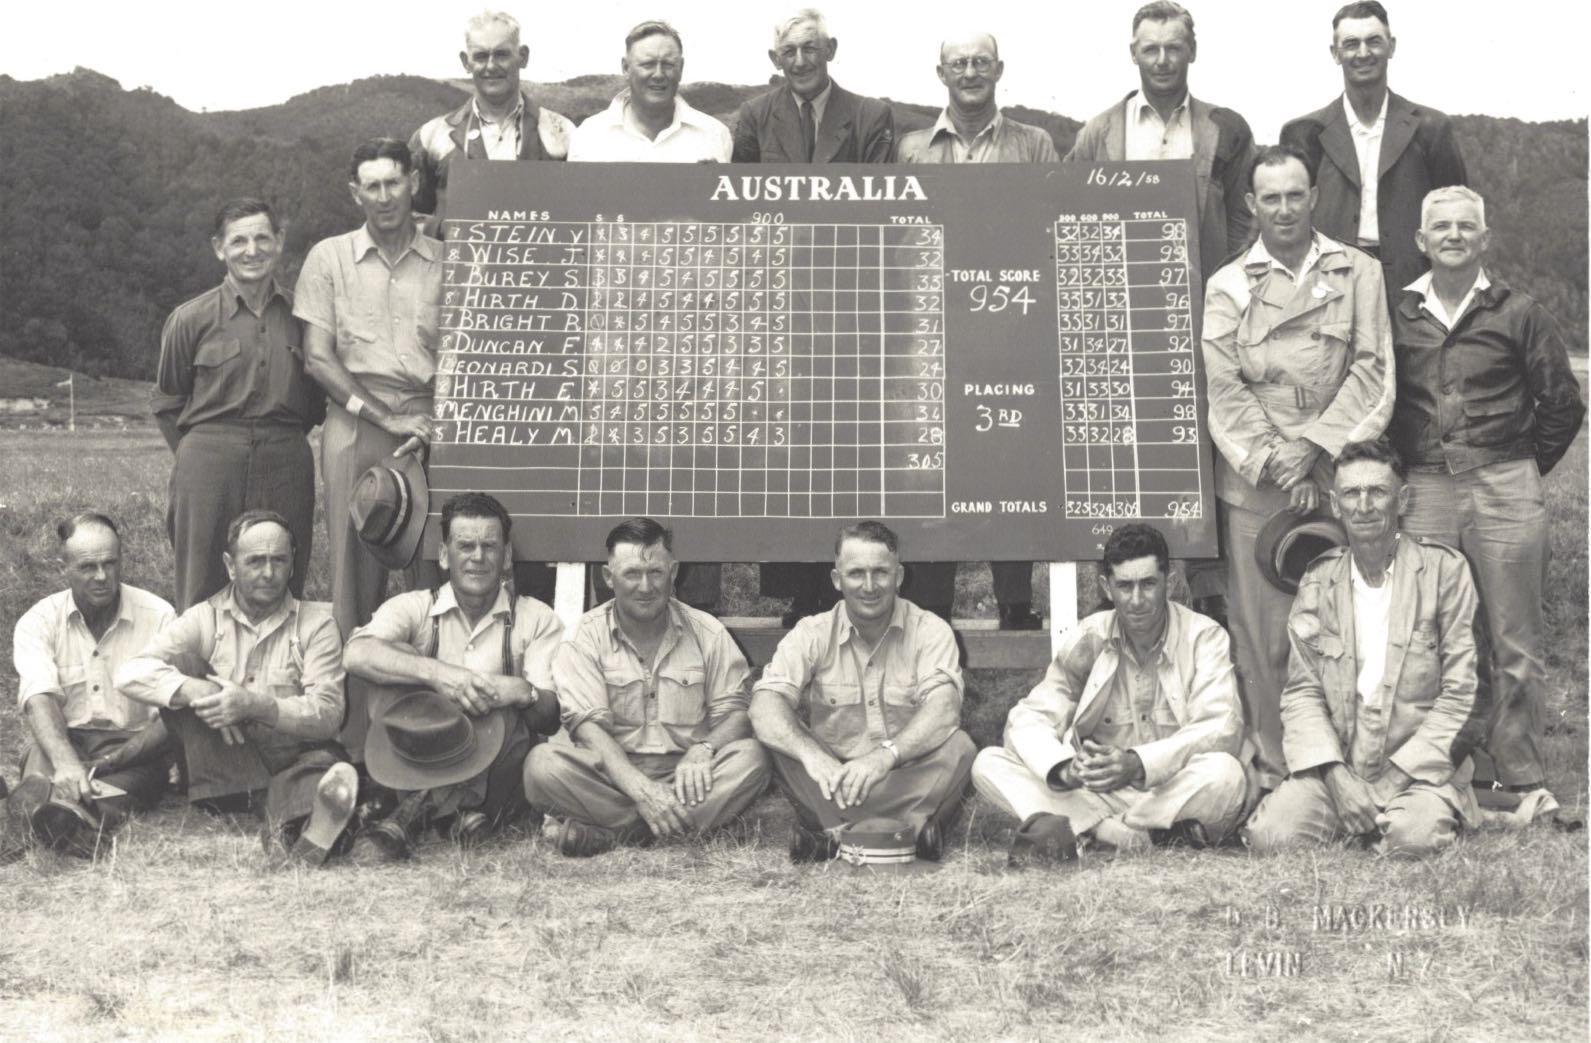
771,188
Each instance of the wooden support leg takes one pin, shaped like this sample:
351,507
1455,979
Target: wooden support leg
1063,600
569,596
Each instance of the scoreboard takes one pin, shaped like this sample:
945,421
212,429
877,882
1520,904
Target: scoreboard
998,360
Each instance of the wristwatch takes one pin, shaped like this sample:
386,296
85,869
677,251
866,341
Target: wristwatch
888,745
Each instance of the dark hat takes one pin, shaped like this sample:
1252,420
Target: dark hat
388,509
883,845
1290,541
419,739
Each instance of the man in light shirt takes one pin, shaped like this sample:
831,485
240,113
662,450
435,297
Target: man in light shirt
1381,709
649,122
1374,155
1486,406
85,733
1298,361
500,121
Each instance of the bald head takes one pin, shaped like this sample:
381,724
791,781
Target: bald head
970,67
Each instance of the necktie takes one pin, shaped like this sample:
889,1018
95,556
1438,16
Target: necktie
809,130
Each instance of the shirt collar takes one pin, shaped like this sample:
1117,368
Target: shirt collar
232,294
1168,637
1357,578
480,117
421,244
820,103
684,115
124,608
1366,128
1422,285
446,601
1257,254
676,620
944,125
228,604
897,619
1141,105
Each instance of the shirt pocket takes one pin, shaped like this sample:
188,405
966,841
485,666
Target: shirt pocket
74,681
626,694
836,712
1329,353
681,696
284,682
356,328
217,366
1421,679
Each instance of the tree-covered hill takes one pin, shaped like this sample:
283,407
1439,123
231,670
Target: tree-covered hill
106,195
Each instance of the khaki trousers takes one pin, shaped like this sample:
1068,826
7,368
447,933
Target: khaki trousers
1421,820
928,788
1208,790
570,781
1257,617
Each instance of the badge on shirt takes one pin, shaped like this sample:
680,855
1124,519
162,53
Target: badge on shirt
474,133
1320,291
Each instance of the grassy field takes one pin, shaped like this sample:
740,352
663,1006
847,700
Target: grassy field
182,930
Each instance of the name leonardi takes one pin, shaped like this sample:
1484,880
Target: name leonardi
773,188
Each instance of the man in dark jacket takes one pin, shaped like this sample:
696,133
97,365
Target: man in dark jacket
1486,405
1374,155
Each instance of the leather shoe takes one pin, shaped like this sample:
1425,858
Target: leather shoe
67,827
383,841
578,839
1043,839
335,795
809,845
1186,833
930,842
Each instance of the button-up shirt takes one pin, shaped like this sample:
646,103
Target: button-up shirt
1367,145
295,655
1134,711
221,361
1148,136
409,619
613,136
855,697
1432,304
56,655
383,316
500,137
697,678
1004,140
1257,254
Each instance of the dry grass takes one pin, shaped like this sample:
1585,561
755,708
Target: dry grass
181,931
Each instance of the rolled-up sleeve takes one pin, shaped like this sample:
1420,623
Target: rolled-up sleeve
315,295
938,660
176,653
33,656
400,620
790,670
582,686
540,638
728,676
317,712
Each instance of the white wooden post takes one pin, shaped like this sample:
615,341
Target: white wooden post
569,594
1063,600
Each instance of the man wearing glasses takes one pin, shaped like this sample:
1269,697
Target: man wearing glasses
500,121
1375,155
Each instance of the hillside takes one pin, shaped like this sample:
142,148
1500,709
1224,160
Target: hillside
107,209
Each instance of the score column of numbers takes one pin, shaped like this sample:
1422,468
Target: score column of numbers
1129,423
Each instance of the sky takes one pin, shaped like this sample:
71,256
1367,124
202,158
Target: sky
1268,60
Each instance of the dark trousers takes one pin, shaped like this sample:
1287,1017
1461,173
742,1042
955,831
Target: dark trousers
222,469
929,788
144,780
284,768
498,792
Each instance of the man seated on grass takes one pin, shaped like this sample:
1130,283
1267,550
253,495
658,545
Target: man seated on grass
95,755
654,696
250,682
878,680
1380,711
1131,737
471,648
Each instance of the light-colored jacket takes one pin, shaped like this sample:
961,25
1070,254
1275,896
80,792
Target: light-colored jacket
1430,715
1283,362
1197,688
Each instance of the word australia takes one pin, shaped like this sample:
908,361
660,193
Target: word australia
771,188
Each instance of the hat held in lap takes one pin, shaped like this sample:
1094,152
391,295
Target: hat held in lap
419,739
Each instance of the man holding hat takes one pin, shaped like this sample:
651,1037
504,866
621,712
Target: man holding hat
1298,361
1381,708
250,682
1132,736
464,688
654,695
879,680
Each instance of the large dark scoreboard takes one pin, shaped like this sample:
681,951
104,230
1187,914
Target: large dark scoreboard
999,360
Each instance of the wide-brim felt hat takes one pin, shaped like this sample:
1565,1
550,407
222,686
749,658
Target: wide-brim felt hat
419,739
388,508
882,845
1290,540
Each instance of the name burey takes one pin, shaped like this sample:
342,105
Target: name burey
772,188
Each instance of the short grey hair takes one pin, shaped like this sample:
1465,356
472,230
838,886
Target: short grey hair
486,18
1450,194
994,45
1164,11
801,17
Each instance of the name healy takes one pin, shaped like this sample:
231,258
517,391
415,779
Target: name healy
771,188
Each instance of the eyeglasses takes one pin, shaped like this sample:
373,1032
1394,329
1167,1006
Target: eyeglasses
982,63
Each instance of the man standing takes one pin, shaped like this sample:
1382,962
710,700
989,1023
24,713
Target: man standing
1132,734
648,121
475,650
1162,120
500,121
86,735
1298,360
971,129
1486,405
250,682
880,683
809,119
1373,154
234,405
369,302
1380,711
654,696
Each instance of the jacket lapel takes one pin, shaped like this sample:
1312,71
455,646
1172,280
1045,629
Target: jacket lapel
1347,688
1116,132
1206,137
835,129
1406,569
1396,135
786,120
1336,141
